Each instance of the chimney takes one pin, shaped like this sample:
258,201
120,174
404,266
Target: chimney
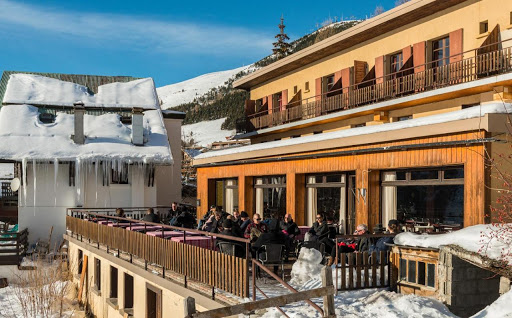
79,111
137,127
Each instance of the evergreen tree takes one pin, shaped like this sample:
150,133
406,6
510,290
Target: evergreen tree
281,47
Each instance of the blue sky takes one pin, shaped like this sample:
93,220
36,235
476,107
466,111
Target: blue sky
167,40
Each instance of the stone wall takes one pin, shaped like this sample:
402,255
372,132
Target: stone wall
464,287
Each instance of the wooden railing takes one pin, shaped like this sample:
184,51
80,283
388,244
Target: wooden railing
417,79
362,270
202,265
13,247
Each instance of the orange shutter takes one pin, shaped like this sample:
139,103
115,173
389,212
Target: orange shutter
318,88
359,71
345,79
379,69
456,47
270,99
406,53
284,98
419,56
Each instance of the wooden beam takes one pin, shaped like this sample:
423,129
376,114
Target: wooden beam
265,303
82,277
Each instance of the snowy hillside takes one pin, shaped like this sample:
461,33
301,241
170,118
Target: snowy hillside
206,132
185,92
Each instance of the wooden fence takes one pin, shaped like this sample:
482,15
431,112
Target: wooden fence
206,266
363,270
13,247
413,80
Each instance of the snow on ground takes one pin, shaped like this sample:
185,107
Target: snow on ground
22,135
470,238
472,112
41,90
362,303
206,132
500,308
186,91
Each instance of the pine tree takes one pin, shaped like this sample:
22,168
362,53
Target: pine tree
281,47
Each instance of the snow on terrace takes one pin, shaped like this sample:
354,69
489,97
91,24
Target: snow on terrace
40,90
23,135
373,302
472,112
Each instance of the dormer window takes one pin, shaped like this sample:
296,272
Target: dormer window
47,118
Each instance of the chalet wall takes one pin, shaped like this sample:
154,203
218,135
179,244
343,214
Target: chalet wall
466,16
168,178
367,168
172,294
47,207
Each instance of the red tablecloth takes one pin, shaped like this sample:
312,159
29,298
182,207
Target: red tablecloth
303,231
142,228
104,222
200,241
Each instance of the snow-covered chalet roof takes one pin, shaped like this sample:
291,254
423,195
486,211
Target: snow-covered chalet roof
24,136
40,90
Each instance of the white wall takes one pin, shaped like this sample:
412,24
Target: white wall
48,212
168,178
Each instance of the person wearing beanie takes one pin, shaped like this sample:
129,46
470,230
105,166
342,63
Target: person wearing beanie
246,220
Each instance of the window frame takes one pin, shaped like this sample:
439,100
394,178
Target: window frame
440,180
445,48
120,177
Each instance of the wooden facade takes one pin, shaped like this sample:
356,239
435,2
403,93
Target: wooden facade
367,168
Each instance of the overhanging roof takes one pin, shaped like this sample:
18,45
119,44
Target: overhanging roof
393,19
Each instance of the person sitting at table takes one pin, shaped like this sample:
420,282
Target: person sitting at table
206,217
288,227
235,227
185,219
151,216
333,229
273,236
216,226
236,216
319,230
254,230
120,213
382,243
244,217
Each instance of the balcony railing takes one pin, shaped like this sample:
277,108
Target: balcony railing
489,60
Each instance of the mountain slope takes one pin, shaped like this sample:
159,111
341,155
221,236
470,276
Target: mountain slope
187,91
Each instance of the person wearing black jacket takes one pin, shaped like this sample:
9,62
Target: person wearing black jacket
273,236
245,219
217,222
290,227
185,219
320,232
151,216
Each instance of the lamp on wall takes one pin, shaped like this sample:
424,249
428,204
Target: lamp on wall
198,202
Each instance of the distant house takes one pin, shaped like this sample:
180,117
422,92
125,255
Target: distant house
86,141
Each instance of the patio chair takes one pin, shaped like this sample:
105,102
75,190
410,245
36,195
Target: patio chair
272,254
232,249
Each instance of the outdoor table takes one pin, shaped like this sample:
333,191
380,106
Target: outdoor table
200,241
124,224
303,230
144,228
166,234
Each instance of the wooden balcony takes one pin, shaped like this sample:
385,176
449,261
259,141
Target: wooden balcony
486,61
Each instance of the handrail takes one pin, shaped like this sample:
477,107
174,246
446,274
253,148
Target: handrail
171,227
420,79
282,282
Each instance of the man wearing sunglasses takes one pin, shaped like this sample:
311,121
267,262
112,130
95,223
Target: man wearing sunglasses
254,230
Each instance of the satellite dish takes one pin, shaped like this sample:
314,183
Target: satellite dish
15,184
